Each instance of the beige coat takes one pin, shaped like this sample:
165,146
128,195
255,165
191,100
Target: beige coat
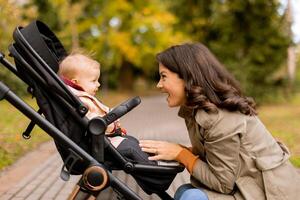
239,158
95,109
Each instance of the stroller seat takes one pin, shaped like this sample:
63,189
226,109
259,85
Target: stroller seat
81,143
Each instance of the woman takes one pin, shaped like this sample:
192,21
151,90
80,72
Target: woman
233,156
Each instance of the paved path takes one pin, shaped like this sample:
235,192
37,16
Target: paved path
36,175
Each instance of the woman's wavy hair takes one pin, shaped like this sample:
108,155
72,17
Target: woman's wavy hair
208,84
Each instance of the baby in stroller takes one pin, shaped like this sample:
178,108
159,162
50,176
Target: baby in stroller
37,53
81,73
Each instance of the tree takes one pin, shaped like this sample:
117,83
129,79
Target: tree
127,34
245,35
12,15
291,57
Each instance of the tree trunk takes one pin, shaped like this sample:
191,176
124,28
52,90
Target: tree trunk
73,26
126,78
291,64
291,59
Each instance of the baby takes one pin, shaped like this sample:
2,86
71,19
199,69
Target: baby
81,74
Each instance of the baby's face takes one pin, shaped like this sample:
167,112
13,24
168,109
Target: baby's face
88,79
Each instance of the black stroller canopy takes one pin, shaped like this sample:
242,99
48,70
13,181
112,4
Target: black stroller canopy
37,50
44,42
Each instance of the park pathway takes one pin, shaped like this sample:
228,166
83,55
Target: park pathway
36,175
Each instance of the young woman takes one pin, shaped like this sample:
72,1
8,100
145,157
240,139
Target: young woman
233,156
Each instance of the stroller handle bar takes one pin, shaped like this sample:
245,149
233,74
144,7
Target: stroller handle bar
98,125
122,109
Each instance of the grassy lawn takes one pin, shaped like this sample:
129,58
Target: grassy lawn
12,124
283,120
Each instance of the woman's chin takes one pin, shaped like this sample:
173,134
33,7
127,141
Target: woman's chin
170,103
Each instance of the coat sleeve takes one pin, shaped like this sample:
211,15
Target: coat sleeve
222,146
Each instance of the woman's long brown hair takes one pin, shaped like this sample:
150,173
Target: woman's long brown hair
208,84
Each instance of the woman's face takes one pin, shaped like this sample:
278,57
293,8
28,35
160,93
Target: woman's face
171,84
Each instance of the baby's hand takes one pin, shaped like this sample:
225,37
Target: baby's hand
110,129
118,124
109,133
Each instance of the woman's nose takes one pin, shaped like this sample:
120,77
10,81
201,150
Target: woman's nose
159,85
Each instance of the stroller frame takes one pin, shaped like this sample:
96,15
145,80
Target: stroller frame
97,175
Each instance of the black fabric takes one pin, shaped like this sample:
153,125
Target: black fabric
48,47
44,85
37,63
45,43
56,114
154,183
130,149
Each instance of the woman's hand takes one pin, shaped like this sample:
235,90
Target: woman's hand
161,150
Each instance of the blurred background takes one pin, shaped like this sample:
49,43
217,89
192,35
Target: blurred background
257,40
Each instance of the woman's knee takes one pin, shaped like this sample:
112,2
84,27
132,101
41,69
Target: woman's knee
181,190
188,192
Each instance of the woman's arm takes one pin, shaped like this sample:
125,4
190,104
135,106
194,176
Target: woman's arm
221,166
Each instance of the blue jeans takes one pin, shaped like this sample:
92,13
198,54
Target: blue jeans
189,192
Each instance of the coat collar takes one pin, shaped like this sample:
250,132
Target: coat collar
186,112
204,119
71,84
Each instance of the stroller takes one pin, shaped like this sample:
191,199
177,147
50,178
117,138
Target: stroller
81,143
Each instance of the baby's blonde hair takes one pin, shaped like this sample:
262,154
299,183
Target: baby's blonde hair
74,63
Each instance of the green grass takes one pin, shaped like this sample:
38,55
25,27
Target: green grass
12,124
283,121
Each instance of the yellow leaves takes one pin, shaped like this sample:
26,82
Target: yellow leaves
166,17
122,42
146,11
163,18
31,12
118,6
66,9
11,15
